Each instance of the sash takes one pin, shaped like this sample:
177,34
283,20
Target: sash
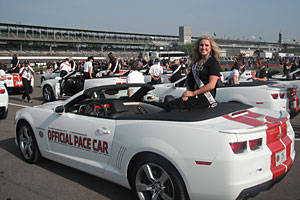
15,66
116,66
176,70
195,70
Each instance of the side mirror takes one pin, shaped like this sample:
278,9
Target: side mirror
59,109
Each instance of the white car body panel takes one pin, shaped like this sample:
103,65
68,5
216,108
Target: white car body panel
208,140
3,98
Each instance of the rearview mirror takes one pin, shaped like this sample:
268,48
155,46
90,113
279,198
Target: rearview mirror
59,109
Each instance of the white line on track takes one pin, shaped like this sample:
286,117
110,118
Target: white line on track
13,104
297,139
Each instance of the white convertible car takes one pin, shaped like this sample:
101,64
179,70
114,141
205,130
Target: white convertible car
3,102
259,94
272,76
14,82
52,75
232,151
74,82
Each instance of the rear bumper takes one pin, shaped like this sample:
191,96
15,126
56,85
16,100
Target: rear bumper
253,191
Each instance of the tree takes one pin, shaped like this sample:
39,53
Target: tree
187,48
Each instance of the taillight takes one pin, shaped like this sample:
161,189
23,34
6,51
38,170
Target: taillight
97,107
238,147
255,144
2,91
8,78
274,96
281,95
106,105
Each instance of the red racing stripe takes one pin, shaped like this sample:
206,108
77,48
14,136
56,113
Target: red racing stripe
276,138
274,133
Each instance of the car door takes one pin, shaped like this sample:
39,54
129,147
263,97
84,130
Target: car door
85,141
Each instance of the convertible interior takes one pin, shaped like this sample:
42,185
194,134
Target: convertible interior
113,102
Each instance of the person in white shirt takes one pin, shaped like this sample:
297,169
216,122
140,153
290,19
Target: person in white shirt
134,76
2,76
156,71
65,68
26,73
88,68
233,78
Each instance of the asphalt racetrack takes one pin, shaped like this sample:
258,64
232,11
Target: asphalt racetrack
51,180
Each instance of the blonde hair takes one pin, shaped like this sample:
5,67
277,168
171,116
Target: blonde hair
196,55
176,62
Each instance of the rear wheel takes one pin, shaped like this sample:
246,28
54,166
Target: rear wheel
48,93
3,113
27,143
154,177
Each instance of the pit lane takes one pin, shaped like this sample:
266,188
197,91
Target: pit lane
51,180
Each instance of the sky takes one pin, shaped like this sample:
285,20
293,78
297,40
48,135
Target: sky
235,19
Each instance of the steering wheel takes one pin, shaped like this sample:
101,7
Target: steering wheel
95,109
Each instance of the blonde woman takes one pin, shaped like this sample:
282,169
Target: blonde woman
202,80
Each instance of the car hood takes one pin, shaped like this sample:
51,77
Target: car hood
50,105
50,82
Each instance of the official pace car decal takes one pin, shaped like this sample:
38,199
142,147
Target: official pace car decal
77,140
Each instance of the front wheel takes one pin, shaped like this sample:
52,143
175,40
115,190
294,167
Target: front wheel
48,94
27,143
154,177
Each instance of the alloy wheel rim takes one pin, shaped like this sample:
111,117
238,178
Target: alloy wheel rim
153,182
47,93
25,140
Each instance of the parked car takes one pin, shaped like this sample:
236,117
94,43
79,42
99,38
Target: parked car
14,82
3,102
272,95
230,152
54,89
50,75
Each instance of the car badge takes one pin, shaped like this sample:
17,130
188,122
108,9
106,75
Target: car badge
41,134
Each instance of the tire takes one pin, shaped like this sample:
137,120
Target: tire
153,177
27,143
48,93
4,114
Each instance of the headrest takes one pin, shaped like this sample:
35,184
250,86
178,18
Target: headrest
117,106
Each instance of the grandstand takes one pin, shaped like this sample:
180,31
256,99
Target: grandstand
32,40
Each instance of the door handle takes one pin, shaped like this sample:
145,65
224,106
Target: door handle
103,130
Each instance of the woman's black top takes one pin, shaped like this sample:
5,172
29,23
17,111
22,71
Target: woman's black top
210,68
113,65
261,73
